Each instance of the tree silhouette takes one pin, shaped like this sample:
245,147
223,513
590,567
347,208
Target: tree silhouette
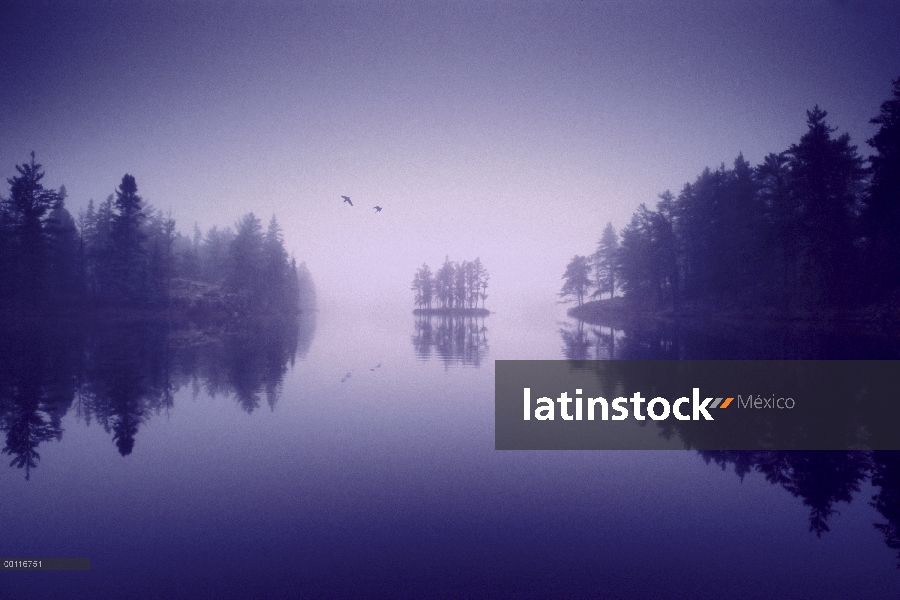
882,222
797,231
423,286
826,176
26,211
577,279
782,229
129,264
606,262
455,286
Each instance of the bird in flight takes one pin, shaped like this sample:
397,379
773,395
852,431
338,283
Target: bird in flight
347,200
377,209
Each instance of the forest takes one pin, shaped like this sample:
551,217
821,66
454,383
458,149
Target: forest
454,287
125,254
813,229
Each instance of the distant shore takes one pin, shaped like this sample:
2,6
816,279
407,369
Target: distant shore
188,301
617,310
453,312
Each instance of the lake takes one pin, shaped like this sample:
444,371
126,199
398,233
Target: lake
354,456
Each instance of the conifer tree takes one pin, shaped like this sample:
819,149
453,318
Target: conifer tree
26,211
606,262
577,279
883,210
129,257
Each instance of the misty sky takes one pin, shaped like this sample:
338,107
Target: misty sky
511,131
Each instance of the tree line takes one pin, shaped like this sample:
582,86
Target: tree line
815,226
123,252
453,286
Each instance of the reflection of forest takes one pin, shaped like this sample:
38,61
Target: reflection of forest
821,479
698,340
453,339
122,374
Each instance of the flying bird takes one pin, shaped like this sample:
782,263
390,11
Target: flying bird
377,208
347,200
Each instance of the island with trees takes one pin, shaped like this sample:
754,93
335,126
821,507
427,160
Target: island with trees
455,289
810,234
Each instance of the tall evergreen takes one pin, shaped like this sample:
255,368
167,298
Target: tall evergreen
26,211
64,267
245,255
827,175
781,231
423,286
129,257
606,262
883,215
276,266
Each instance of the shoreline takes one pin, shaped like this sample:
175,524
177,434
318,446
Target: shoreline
603,312
452,312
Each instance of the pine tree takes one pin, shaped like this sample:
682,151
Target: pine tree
883,201
443,283
129,257
577,279
276,267
606,262
27,207
423,286
782,229
246,258
826,175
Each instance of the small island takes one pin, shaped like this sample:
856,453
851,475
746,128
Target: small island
455,287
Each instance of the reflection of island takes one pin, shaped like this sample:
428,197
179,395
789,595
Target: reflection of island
453,338
120,374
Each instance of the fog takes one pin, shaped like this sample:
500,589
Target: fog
501,131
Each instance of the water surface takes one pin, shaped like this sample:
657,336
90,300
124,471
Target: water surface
364,467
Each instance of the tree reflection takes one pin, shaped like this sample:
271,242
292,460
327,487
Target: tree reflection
121,374
453,338
886,476
588,343
634,339
37,387
127,378
820,479
251,360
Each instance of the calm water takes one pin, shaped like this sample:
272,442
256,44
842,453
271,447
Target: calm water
196,466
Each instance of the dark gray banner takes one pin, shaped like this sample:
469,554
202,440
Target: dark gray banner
46,564
700,405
